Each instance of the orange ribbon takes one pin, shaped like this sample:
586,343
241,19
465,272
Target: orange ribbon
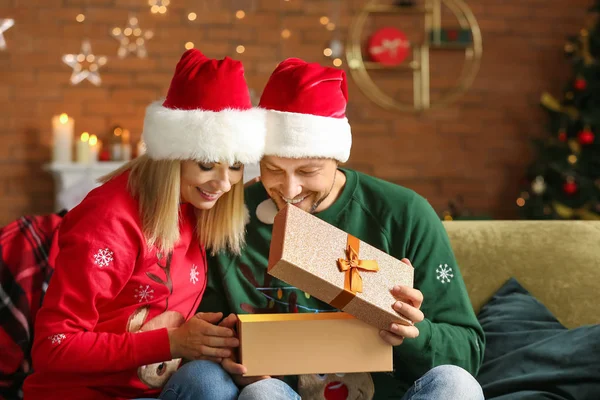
352,266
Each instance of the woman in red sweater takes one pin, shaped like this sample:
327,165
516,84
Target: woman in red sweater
120,310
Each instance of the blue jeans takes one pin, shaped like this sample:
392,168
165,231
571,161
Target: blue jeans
446,382
199,380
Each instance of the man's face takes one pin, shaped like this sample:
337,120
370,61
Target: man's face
303,182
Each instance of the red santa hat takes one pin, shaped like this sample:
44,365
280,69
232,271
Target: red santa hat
306,112
207,114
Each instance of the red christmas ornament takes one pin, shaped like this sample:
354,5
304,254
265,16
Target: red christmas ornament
570,187
580,84
586,136
562,136
388,46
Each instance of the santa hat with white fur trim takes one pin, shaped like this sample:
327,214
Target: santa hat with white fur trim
306,111
206,116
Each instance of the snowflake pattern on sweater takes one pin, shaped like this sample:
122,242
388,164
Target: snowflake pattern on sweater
444,273
58,338
144,293
103,257
194,274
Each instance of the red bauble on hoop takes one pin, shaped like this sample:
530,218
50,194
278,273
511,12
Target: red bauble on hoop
388,46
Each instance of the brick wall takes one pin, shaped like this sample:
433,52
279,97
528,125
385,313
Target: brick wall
477,148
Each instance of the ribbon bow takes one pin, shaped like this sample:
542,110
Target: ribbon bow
351,265
388,46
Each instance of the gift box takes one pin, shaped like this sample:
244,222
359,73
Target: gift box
336,267
296,344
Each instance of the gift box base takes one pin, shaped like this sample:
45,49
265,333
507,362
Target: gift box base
297,344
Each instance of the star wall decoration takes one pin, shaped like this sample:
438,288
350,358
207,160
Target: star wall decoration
132,39
85,65
158,6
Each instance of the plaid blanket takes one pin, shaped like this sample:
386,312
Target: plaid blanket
25,270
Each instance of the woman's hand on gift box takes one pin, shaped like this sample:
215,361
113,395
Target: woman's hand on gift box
201,338
230,363
408,305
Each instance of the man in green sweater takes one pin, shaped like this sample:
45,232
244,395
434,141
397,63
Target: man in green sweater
308,135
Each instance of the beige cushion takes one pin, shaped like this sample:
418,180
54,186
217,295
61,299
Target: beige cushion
557,261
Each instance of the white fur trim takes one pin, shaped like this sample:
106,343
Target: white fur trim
266,212
228,136
295,135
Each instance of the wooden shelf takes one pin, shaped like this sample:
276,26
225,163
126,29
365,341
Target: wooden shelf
402,67
391,9
451,46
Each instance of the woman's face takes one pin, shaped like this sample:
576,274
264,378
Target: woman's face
203,183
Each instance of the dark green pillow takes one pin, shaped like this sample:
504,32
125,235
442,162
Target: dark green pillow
530,355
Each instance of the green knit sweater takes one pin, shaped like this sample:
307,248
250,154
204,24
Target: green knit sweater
393,219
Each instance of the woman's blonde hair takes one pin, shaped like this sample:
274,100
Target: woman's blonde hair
157,186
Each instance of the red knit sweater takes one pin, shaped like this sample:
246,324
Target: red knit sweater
101,332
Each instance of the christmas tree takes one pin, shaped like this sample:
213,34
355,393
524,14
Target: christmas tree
564,181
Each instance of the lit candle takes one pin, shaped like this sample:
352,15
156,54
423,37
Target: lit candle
62,138
83,148
94,148
125,145
116,145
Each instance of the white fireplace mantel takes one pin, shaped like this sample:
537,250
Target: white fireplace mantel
73,181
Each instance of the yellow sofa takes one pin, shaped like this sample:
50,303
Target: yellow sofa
558,262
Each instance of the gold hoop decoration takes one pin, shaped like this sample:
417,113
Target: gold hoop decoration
419,65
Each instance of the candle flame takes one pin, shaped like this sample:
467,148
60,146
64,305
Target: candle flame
93,140
64,118
85,137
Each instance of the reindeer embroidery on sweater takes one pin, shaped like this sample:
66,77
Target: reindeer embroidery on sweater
166,267
157,374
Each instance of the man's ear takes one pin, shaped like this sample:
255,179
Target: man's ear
252,181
